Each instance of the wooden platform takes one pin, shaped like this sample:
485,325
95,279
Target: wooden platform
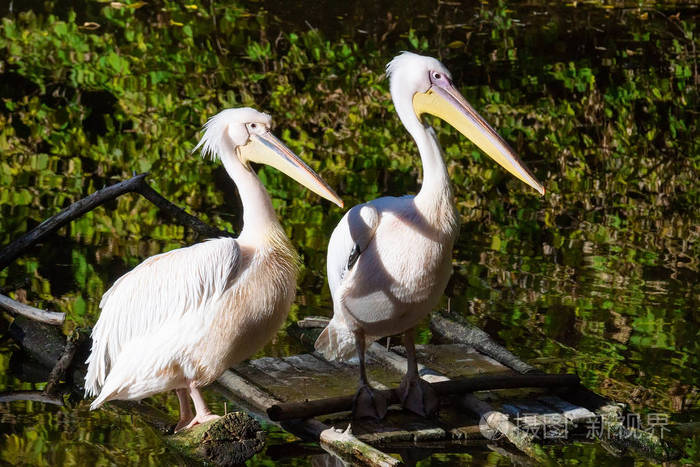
309,376
522,416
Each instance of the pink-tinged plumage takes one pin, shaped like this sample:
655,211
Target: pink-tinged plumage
221,303
179,319
406,242
389,260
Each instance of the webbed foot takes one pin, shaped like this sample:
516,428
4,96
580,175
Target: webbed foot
418,397
369,403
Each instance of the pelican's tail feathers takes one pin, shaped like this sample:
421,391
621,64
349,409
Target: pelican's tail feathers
109,390
97,403
336,342
97,370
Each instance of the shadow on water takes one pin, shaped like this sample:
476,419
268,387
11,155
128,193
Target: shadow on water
599,98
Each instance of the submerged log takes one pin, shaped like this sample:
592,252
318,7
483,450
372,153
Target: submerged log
612,431
313,408
223,441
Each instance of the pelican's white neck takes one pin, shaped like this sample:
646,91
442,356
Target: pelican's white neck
436,182
258,213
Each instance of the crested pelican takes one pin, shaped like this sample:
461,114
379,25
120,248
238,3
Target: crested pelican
389,260
180,318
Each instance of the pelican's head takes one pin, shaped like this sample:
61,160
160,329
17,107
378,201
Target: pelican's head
246,133
428,84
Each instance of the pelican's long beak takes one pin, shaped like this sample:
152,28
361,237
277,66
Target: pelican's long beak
444,101
267,149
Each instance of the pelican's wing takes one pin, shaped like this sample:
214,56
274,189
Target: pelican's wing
163,288
349,239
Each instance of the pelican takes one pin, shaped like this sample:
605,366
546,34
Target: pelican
389,260
180,318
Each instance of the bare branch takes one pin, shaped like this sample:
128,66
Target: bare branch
136,184
77,209
49,317
60,370
35,396
179,214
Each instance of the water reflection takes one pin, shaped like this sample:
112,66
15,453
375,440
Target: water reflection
620,330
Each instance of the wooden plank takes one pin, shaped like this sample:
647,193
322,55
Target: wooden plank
285,381
399,427
522,419
465,333
277,388
442,386
402,428
349,371
574,413
337,442
378,371
313,322
274,367
460,424
455,360
326,373
554,424
309,363
246,391
301,377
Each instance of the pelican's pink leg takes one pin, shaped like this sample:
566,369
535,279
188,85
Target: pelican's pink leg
185,409
203,414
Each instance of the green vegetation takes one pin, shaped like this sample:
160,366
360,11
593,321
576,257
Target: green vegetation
600,275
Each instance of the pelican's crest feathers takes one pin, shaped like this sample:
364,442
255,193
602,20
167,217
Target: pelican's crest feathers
231,123
409,62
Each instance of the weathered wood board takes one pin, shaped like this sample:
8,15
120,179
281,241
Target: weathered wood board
307,376
310,377
455,360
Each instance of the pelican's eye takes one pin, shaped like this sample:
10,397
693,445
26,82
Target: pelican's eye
255,128
439,78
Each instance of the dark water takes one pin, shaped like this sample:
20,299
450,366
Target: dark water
601,278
